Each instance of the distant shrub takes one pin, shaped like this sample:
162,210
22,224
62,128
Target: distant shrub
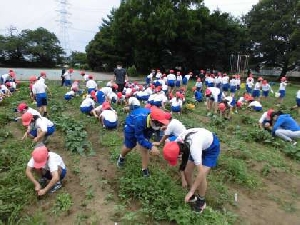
131,71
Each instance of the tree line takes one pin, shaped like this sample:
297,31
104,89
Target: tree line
171,33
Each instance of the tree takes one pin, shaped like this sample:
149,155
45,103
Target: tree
78,58
274,32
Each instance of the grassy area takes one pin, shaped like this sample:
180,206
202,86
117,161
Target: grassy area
249,161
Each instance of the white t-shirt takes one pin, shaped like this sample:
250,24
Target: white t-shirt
150,76
91,84
188,76
229,100
282,86
298,94
112,95
106,90
133,101
225,80
43,123
265,87
215,92
263,117
158,75
39,87
70,93
171,77
42,79
255,104
179,78
210,80
257,86
148,91
67,75
4,88
128,91
86,77
175,127
218,80
52,164
87,102
250,81
109,115
33,112
238,81
5,77
175,102
233,82
199,141
164,87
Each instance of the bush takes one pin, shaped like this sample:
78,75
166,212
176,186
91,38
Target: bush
131,71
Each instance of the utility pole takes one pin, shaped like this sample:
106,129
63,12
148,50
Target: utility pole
11,30
64,25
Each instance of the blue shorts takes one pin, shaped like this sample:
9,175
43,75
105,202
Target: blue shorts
184,81
90,90
232,89
265,93
218,85
68,83
50,130
256,93
157,104
129,140
68,97
225,87
48,175
282,93
257,109
171,83
41,99
248,89
298,102
175,108
211,154
178,83
233,103
206,83
210,85
148,80
238,87
86,109
143,98
110,125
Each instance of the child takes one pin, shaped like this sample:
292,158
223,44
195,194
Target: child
176,103
265,120
213,96
255,105
249,83
171,78
69,95
282,87
198,84
49,166
256,90
225,84
198,96
108,117
91,84
266,88
233,85
178,79
297,101
87,105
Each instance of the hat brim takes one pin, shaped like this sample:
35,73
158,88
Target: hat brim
40,164
173,162
164,122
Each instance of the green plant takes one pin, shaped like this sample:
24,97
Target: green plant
63,203
132,71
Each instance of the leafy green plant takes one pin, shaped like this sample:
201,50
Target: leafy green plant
63,203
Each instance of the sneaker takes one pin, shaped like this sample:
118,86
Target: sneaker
193,198
200,206
120,162
57,186
146,173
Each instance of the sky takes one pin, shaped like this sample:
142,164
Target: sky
85,16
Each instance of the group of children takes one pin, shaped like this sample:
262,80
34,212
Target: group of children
8,84
198,148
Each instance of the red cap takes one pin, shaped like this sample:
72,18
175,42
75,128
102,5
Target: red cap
178,94
158,89
222,107
239,104
43,73
260,79
168,115
22,106
171,152
269,112
207,92
93,93
12,74
171,71
90,76
71,70
106,106
148,106
32,78
40,155
82,73
119,94
158,115
26,118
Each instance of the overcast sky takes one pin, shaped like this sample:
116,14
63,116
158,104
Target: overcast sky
85,16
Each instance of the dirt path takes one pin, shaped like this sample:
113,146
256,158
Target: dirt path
86,182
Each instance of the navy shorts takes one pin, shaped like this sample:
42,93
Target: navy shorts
48,175
50,130
225,87
211,154
175,108
298,102
86,109
171,83
68,83
282,93
110,125
265,93
41,100
256,93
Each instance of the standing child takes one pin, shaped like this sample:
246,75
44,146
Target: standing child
176,103
91,84
266,88
282,87
256,90
171,78
198,84
178,80
249,83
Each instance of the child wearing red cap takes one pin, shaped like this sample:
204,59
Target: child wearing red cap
140,125
67,76
266,88
171,79
108,117
176,103
87,105
282,88
49,166
265,120
198,148
91,85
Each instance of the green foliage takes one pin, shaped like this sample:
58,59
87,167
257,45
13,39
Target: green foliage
131,71
63,203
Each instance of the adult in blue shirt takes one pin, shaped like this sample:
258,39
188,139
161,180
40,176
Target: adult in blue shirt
139,127
285,127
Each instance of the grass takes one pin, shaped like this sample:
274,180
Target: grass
248,157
